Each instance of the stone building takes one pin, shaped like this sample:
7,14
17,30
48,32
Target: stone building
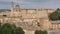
29,19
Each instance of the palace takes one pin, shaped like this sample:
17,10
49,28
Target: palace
29,19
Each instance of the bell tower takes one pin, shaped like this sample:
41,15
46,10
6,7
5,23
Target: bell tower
12,6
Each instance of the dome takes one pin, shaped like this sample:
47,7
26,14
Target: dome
17,5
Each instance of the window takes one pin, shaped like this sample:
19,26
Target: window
38,24
4,15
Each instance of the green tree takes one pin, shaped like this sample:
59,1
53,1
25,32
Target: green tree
6,28
0,27
19,30
10,29
55,15
40,32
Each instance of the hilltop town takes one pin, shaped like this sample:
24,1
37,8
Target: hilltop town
29,19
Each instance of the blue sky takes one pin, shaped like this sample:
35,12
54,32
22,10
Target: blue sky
5,4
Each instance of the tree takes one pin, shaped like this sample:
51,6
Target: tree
6,28
0,27
45,32
19,30
10,29
55,15
40,32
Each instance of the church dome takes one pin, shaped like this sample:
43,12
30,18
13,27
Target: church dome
17,6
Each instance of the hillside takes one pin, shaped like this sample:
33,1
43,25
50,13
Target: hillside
2,10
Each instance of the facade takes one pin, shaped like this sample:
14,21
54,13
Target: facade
29,19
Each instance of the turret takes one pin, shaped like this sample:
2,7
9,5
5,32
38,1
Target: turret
12,6
17,8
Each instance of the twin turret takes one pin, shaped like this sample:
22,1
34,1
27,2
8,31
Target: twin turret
15,8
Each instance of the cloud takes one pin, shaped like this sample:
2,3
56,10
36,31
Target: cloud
32,3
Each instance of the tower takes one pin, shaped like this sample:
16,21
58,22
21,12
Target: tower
12,6
17,8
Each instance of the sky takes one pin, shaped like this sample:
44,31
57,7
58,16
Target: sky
51,4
